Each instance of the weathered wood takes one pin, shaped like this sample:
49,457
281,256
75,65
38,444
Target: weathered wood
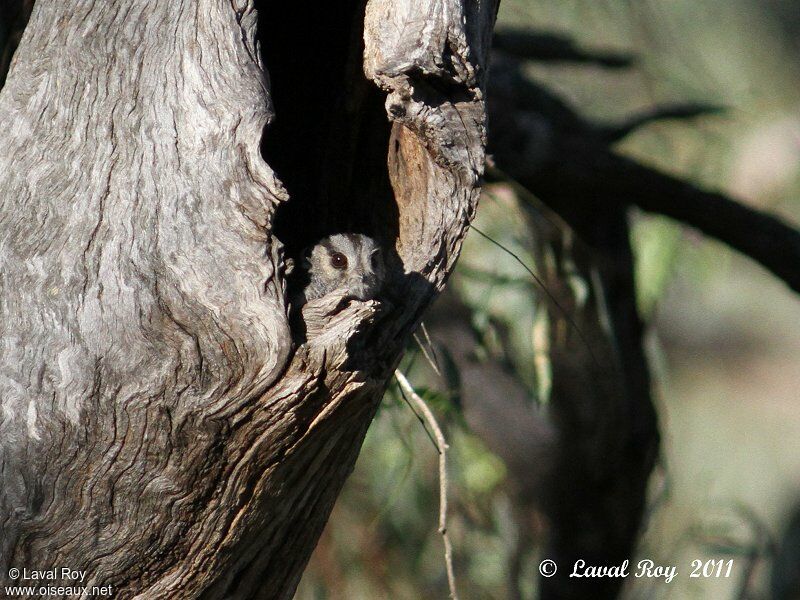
159,429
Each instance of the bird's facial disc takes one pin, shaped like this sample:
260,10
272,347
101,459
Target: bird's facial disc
351,264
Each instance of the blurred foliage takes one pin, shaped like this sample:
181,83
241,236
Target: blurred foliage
500,292
382,540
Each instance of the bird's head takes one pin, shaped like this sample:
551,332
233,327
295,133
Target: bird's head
350,263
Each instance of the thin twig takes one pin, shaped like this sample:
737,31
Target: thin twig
419,418
432,347
564,312
441,448
431,357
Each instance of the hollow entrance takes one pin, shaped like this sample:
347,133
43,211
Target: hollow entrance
329,139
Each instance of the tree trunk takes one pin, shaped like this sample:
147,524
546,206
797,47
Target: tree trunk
163,427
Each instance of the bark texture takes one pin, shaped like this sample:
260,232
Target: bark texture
159,427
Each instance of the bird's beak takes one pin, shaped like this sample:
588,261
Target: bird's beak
363,288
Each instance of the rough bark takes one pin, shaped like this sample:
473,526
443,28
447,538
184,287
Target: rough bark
159,428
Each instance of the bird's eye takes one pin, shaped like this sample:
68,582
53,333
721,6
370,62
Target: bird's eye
338,260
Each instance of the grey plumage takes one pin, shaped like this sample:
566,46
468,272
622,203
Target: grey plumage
350,264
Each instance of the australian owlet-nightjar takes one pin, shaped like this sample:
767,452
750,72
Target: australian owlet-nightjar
350,264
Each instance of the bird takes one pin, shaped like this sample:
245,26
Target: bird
347,264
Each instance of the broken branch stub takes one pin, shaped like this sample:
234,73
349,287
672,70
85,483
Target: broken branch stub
431,60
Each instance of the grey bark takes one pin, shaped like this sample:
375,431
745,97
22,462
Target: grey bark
158,427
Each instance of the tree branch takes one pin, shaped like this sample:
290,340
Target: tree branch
581,172
540,46
441,447
568,162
